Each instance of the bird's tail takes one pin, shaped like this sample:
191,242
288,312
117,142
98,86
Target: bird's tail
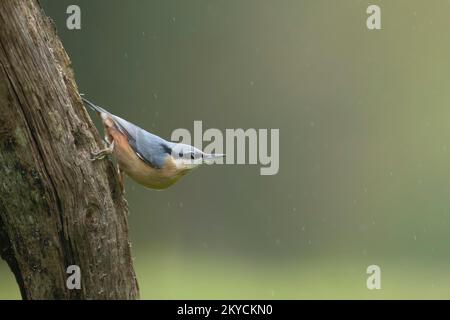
93,106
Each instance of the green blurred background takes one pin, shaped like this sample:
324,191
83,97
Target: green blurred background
364,142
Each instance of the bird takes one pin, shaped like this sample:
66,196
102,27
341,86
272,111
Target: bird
145,157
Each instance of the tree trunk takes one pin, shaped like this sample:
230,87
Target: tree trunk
57,208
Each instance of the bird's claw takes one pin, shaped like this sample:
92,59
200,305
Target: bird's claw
102,153
96,156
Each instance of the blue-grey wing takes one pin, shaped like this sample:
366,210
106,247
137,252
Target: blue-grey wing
149,147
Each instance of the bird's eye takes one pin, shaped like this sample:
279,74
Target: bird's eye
180,154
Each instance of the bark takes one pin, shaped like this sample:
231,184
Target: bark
57,208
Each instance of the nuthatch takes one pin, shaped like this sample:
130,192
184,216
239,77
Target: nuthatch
146,158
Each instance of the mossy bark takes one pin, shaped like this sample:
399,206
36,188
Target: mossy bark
57,208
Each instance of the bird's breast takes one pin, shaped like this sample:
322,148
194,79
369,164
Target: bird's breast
140,171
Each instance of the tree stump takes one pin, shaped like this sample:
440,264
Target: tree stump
57,208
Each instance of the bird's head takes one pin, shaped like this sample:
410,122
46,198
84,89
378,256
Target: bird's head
187,157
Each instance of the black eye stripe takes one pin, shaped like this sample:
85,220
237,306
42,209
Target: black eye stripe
192,155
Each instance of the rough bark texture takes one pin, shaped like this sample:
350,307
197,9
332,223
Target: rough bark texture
57,208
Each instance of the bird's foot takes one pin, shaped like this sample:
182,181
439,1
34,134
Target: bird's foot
102,153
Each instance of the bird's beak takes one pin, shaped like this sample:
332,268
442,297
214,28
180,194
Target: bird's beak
209,158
